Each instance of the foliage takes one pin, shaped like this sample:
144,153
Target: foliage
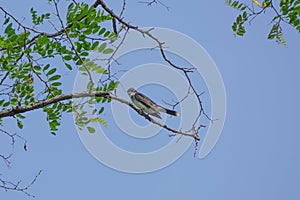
32,60
287,11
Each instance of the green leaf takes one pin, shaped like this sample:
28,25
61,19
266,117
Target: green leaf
6,20
79,62
100,70
46,67
102,47
101,110
52,71
20,124
68,66
8,29
95,44
56,84
234,26
70,7
91,129
108,51
102,30
37,67
6,104
107,33
54,78
84,54
67,57
88,31
20,116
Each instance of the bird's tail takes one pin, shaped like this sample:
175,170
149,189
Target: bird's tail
170,112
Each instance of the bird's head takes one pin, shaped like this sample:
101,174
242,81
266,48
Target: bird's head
131,92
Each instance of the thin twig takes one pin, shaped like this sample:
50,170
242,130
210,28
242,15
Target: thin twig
149,3
7,185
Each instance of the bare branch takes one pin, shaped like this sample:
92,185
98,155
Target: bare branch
123,9
107,9
13,137
149,3
7,185
6,159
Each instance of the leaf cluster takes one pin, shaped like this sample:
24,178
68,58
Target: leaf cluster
31,60
287,11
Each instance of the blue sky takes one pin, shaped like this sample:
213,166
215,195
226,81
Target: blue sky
256,156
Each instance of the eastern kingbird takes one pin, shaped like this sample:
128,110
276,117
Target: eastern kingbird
147,105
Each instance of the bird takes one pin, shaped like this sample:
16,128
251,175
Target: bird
147,105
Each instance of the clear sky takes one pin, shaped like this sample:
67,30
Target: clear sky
256,156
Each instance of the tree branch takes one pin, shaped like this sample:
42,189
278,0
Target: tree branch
58,98
63,97
7,185
149,3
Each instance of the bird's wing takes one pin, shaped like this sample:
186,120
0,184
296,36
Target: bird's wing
147,102
150,106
